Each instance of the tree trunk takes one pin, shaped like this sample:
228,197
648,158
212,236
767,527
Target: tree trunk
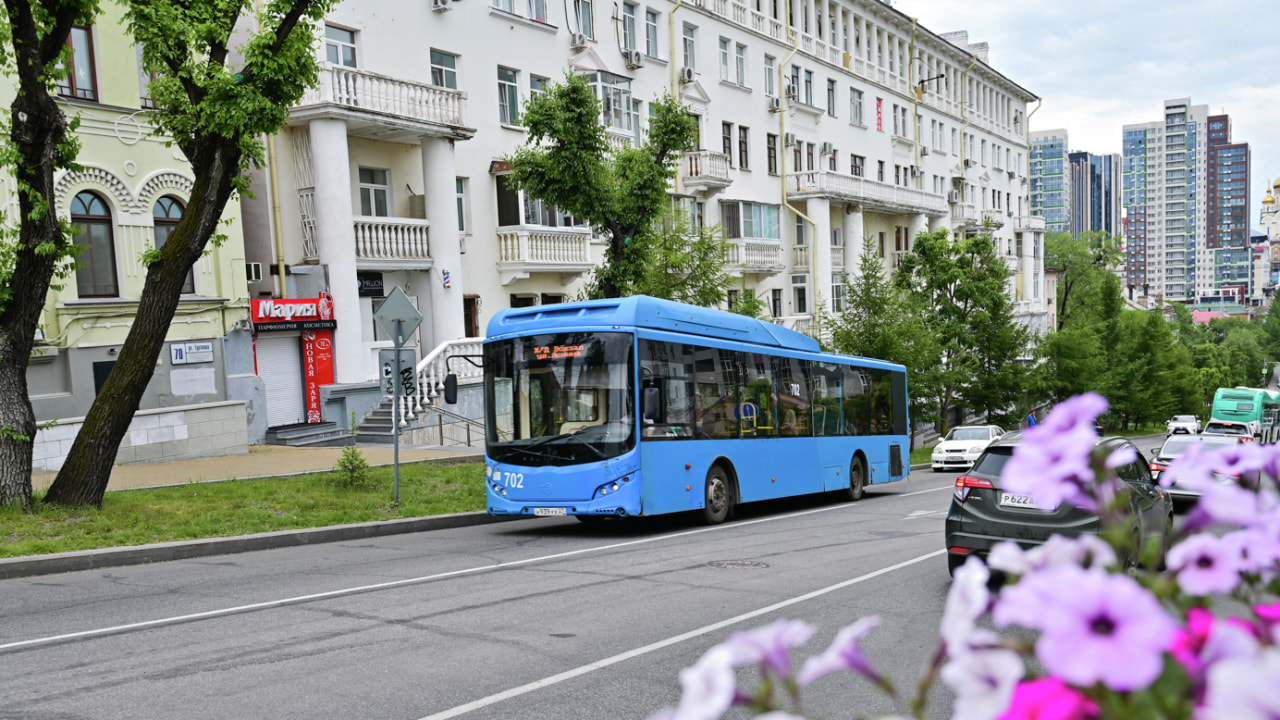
84,476
38,130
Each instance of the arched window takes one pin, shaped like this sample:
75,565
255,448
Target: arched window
96,271
166,214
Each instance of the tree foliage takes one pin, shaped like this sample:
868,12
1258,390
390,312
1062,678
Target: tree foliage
684,260
623,191
215,100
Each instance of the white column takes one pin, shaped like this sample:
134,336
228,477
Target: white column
853,238
439,179
819,210
919,224
335,236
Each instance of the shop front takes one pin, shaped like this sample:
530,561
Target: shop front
293,352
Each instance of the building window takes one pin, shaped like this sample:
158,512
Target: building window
586,21
96,263
462,203
857,165
339,46
165,214
79,82
726,141
797,158
732,298
144,82
808,154
744,136
724,59
750,220
831,98
444,70
375,192
651,33
770,70
629,26
740,64
689,45
855,106
808,87
799,301
614,93
508,97
506,5
831,159
880,170
775,302
538,10
537,85
801,237
771,152
837,292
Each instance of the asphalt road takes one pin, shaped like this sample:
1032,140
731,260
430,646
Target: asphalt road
545,618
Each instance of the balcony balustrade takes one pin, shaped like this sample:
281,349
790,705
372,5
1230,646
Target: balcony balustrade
381,107
749,255
526,249
875,196
704,169
994,218
391,243
1028,223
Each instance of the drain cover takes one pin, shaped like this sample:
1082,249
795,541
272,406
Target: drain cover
737,564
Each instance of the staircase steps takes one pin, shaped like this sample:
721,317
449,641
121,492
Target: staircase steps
324,434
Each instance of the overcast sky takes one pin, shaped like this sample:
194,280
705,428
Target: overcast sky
1099,64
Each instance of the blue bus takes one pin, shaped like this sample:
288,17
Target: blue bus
639,406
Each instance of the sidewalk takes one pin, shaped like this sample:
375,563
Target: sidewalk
261,461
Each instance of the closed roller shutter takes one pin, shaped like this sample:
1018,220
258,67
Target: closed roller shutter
280,367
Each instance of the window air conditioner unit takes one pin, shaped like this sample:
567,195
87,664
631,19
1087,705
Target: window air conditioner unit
633,58
970,163
687,75
789,139
793,92
924,149
441,5
775,104
577,41
828,148
915,171
1011,174
953,196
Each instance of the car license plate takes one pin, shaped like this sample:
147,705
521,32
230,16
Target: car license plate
1020,501
955,458
549,511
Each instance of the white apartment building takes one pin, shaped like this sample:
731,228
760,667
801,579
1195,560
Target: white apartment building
847,121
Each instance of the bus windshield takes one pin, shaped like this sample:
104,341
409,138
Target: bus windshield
559,398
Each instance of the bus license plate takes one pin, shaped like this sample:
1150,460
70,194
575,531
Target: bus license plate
1020,501
549,511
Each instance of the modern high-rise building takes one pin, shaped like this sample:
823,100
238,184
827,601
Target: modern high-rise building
1227,212
1051,179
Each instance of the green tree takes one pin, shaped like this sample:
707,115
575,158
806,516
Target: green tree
748,303
685,260
961,285
1085,263
215,101
567,161
34,245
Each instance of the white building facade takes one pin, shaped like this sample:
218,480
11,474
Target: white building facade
849,121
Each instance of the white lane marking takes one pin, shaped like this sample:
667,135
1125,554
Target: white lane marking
622,657
921,492
391,584
922,514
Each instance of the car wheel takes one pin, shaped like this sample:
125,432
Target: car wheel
857,480
718,497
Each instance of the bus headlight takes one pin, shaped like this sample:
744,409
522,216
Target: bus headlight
612,487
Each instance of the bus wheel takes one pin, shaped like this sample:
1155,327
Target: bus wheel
857,480
718,499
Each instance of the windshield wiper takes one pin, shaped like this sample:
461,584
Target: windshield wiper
573,436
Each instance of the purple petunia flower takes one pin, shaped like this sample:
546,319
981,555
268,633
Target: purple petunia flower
1094,627
1205,564
983,682
708,687
844,654
1088,551
1104,628
966,602
1052,463
769,646
1243,688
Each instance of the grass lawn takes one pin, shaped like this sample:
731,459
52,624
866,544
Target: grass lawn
241,507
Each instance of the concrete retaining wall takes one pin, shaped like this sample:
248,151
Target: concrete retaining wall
176,433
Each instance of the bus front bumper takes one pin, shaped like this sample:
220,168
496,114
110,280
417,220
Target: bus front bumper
616,498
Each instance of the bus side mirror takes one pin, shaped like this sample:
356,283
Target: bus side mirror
651,406
451,389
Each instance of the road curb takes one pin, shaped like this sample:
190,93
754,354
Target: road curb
33,565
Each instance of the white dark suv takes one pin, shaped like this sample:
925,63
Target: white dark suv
1182,424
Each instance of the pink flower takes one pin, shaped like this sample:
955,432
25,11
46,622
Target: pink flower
1052,463
1049,699
1206,564
844,654
769,645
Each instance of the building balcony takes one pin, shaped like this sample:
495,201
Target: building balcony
1028,223
993,218
752,255
383,108
704,170
526,249
389,243
963,216
871,195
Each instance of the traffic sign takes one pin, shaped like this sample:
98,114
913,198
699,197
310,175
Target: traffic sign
397,307
408,381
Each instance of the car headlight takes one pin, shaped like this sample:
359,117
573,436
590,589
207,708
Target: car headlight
974,450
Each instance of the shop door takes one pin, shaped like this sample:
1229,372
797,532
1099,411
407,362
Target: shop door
280,367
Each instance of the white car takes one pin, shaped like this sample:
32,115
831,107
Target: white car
1182,424
962,446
